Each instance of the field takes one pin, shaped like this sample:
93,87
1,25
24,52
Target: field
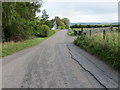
105,46
94,28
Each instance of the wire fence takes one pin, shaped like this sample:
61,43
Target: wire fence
91,31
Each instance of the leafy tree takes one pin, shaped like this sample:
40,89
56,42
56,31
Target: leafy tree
59,22
66,21
44,17
17,19
49,23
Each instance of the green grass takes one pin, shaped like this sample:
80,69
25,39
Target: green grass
9,48
70,32
95,28
108,49
76,29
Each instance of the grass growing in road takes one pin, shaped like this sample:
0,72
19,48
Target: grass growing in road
107,49
9,48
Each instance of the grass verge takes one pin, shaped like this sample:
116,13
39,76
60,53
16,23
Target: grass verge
105,50
9,48
70,32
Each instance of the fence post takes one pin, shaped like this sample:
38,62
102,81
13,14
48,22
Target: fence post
104,32
118,28
90,33
81,29
111,27
75,32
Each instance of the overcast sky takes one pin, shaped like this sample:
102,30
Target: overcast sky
83,10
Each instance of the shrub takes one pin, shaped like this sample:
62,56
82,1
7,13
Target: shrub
52,32
61,27
70,32
43,31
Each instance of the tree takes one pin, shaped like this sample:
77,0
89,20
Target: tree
49,23
44,17
18,18
66,21
59,22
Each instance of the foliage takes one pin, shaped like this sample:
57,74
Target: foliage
49,23
52,32
90,26
60,24
17,20
61,27
43,31
66,21
105,49
12,47
44,17
70,32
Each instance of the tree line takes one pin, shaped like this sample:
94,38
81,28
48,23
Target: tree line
19,21
91,26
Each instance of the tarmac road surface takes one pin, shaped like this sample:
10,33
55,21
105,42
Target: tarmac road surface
56,63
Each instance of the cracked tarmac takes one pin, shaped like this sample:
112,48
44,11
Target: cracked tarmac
56,63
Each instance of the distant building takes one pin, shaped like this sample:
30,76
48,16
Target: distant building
55,26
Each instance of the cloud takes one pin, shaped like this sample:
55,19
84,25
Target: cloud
83,11
81,0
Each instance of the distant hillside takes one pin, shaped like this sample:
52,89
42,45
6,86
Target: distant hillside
92,23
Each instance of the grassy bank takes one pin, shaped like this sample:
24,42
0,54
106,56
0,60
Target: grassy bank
107,50
70,32
9,48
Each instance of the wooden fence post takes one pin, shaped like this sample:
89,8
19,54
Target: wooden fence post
81,29
104,32
118,28
111,27
90,33
75,32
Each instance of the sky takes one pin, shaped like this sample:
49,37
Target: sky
83,10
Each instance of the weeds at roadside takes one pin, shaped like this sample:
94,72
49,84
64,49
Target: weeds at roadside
107,49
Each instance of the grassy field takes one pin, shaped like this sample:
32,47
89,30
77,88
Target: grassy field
108,49
93,31
94,28
9,48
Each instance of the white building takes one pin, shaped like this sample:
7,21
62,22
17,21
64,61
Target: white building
55,26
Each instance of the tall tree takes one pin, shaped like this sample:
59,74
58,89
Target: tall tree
49,23
18,18
44,17
59,23
66,22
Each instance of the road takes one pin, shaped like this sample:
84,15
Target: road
56,63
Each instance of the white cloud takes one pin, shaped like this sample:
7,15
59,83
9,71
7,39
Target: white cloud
83,12
81,0
94,18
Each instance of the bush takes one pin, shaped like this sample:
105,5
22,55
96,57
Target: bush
43,31
61,27
70,32
52,32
